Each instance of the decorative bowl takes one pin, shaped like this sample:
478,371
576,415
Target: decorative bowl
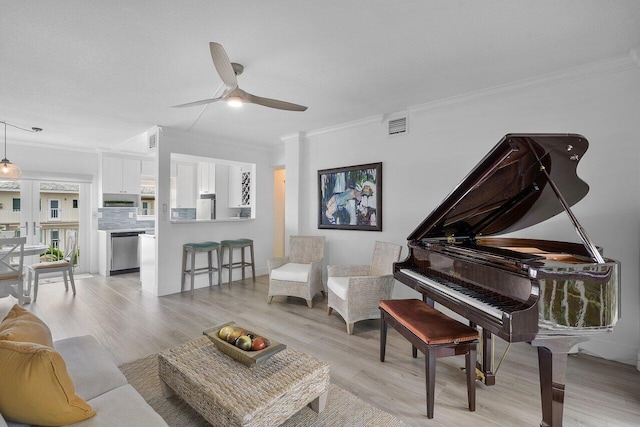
249,358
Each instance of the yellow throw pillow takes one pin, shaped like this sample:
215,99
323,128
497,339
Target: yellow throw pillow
35,387
24,326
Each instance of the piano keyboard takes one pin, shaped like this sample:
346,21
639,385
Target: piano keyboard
458,292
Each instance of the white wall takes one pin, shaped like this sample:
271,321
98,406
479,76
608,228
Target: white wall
448,138
171,236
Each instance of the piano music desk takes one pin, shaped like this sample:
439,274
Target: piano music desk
435,335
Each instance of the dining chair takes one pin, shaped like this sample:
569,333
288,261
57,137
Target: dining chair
11,266
64,266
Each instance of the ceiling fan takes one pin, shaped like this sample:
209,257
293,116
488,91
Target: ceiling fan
232,93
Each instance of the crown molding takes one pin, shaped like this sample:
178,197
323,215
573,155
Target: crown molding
292,137
71,148
355,123
569,75
595,69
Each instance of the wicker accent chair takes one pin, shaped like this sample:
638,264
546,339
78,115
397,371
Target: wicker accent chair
355,291
300,273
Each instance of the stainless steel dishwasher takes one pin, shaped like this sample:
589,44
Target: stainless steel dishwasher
124,252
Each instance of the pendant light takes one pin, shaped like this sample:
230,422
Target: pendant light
10,171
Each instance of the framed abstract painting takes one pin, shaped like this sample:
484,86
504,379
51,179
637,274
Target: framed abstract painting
350,198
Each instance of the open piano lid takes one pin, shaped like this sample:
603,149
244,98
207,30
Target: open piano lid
509,190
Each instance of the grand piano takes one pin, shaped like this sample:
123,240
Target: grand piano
552,294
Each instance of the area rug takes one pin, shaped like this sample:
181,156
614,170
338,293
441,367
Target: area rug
343,408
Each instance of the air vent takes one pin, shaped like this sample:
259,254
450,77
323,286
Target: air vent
152,141
398,126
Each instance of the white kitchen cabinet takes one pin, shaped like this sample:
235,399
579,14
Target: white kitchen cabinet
121,175
240,186
186,185
206,178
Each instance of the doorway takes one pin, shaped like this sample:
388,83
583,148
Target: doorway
43,212
279,178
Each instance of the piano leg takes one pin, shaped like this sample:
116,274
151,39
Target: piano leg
486,368
552,361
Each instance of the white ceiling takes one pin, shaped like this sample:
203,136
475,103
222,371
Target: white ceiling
96,73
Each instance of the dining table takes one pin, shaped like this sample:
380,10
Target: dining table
29,250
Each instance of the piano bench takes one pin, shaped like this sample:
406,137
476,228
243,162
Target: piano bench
435,335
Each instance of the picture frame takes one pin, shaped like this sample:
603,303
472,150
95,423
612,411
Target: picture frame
350,198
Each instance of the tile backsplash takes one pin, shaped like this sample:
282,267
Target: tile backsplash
183,214
121,218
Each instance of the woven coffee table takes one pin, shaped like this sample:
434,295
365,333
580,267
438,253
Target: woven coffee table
228,393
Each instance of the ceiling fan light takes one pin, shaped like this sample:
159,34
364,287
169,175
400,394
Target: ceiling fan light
234,101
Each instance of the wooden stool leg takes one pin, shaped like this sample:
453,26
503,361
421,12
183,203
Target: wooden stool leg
230,263
430,371
193,269
253,264
222,264
184,268
242,260
470,366
219,257
210,265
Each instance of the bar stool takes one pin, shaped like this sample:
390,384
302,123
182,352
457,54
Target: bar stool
194,248
241,244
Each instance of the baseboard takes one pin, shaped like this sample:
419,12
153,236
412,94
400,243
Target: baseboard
611,351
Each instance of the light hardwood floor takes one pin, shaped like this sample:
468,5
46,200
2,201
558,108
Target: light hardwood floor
131,324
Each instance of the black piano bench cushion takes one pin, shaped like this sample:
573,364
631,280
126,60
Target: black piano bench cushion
427,323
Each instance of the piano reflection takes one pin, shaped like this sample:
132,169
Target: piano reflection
549,293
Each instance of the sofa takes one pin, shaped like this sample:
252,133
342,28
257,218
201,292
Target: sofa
102,395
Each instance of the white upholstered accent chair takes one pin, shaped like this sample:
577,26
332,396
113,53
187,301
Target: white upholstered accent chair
11,264
300,273
64,266
356,290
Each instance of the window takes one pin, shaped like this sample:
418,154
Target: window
16,205
55,238
54,210
75,203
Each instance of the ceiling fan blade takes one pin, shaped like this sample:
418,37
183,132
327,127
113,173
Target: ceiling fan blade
273,103
193,104
223,65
